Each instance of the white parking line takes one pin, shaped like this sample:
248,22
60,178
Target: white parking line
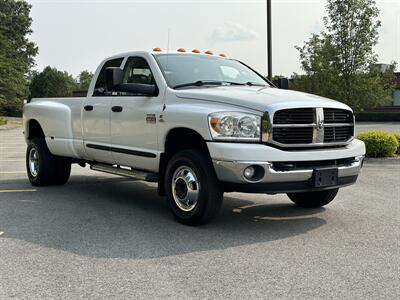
13,172
18,152
18,191
12,160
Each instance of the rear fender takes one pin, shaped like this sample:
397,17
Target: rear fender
56,123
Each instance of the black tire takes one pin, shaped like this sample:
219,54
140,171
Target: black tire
51,170
207,188
63,171
313,199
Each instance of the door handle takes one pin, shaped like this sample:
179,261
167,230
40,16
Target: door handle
117,108
88,107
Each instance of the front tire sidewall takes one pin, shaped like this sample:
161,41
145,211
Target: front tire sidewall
210,196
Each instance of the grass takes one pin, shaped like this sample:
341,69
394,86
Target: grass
3,121
11,122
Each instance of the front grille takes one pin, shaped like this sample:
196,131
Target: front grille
334,115
294,116
308,127
338,134
302,165
293,135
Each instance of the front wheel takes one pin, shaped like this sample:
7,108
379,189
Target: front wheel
192,190
313,199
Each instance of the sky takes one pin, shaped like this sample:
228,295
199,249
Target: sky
76,35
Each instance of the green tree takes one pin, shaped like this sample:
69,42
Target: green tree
84,79
16,54
51,83
338,62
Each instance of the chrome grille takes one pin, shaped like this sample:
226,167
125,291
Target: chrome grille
294,116
295,135
310,127
334,115
338,134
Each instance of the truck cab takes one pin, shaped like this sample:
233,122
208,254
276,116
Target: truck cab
198,125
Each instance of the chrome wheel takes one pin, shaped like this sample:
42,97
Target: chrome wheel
33,162
185,188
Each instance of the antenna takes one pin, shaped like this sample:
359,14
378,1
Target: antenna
269,40
168,40
166,66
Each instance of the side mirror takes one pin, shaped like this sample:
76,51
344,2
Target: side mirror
138,88
281,83
114,83
114,77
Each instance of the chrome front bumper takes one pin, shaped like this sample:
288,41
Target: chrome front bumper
232,172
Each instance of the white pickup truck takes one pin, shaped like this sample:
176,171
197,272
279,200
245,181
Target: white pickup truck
199,125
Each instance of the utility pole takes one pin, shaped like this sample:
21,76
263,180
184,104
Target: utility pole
269,40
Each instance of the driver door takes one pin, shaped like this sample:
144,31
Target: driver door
134,120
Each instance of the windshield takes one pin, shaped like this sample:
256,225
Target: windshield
183,70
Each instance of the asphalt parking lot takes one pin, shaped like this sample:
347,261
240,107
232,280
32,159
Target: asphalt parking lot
102,236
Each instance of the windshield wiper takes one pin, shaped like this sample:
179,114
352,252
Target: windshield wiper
199,83
215,82
249,83
208,82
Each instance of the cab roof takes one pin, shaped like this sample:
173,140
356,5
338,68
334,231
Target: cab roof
161,52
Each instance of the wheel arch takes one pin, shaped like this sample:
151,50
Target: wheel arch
34,129
178,139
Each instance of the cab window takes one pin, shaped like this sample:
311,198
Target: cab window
137,70
101,80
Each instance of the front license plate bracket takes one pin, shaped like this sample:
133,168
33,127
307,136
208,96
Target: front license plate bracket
325,177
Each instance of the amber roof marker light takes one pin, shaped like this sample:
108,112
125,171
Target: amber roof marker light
157,49
222,55
181,50
209,52
196,51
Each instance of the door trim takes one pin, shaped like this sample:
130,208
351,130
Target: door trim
122,150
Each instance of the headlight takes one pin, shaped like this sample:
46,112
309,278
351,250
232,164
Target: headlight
234,126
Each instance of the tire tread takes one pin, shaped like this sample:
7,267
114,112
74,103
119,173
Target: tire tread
313,199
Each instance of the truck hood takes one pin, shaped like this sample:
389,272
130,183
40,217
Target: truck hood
256,98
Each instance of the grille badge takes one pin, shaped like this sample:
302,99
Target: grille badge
318,134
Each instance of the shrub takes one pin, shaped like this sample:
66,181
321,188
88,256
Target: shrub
3,121
379,143
397,136
377,116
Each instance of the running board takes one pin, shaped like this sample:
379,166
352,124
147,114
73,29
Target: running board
132,173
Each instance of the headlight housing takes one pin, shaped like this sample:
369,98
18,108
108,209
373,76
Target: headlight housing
235,126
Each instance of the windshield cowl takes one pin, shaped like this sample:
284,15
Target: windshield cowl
201,83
